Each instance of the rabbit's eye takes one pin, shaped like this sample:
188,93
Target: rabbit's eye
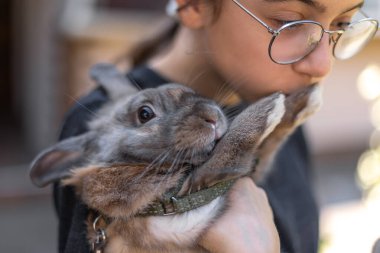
145,113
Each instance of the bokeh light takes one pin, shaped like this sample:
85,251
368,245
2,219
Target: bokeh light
375,114
369,82
369,168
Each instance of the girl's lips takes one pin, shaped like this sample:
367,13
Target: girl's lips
303,86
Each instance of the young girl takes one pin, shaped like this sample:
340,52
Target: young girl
234,51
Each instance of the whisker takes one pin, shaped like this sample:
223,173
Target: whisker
81,105
227,96
160,164
192,75
159,160
221,91
176,161
198,76
230,91
171,168
232,113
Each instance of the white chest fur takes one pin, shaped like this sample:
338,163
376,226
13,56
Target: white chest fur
184,229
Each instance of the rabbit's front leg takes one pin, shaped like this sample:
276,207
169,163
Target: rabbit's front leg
299,105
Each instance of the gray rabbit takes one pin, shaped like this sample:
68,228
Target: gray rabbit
157,146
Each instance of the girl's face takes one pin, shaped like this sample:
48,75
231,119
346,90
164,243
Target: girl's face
237,45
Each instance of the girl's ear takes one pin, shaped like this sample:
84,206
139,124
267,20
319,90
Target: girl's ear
56,162
193,13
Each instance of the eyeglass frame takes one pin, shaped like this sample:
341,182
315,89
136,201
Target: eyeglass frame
276,32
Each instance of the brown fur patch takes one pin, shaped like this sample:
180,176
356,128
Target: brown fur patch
121,190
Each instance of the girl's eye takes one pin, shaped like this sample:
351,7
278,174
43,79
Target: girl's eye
284,22
279,23
291,28
145,113
340,25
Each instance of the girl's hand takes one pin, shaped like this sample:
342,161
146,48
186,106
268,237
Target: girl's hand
246,226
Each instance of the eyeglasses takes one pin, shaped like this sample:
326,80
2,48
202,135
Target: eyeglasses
297,39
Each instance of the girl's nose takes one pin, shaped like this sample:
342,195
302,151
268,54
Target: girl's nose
318,63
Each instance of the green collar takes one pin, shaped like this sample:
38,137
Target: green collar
175,205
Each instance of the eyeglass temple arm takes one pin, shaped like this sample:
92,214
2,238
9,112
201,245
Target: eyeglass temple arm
363,13
271,30
367,16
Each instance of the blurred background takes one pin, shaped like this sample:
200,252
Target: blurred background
46,48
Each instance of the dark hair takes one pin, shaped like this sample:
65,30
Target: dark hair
149,46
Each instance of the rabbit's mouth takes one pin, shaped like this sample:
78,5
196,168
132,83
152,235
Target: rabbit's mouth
198,155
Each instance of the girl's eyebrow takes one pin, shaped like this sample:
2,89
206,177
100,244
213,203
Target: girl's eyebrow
320,7
358,6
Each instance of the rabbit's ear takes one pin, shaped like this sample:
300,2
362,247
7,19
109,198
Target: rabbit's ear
56,162
114,82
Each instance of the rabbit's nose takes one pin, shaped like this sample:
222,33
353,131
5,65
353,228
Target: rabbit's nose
216,126
211,121
209,114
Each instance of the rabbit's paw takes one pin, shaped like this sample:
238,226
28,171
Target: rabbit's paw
274,116
313,105
299,106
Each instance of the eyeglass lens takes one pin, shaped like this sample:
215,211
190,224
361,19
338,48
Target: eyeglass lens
355,38
297,40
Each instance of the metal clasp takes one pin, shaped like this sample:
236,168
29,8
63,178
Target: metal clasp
101,238
170,207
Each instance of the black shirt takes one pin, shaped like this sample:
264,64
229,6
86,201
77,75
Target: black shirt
288,186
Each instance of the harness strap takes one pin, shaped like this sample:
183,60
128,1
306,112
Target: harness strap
176,205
